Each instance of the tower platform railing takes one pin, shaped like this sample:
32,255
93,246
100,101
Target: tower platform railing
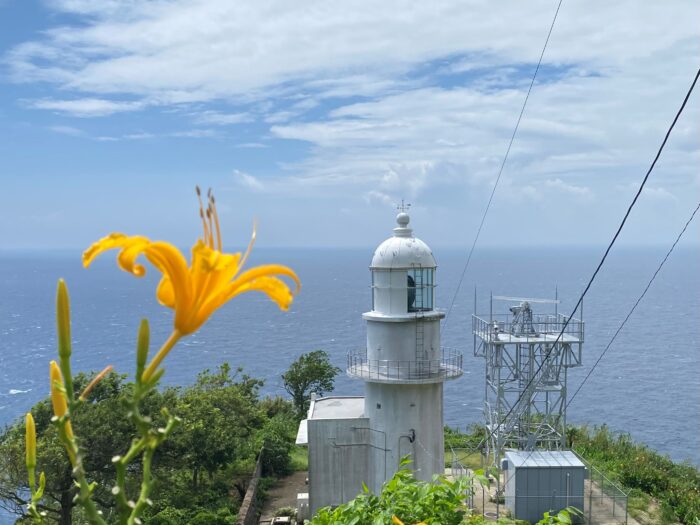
449,366
546,328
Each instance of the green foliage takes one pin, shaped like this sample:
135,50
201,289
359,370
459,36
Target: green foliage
403,496
312,372
474,436
219,416
635,466
169,516
286,511
173,516
563,517
300,458
206,517
195,472
277,441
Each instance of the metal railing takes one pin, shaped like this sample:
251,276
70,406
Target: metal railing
603,498
498,329
449,366
604,502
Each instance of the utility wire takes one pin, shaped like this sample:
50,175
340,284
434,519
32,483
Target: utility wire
639,300
605,255
503,163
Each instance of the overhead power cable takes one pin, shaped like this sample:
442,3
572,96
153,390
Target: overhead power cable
503,163
605,255
634,307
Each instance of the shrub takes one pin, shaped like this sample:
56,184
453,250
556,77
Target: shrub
403,496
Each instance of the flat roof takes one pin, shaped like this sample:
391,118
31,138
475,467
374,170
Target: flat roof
332,407
542,458
337,407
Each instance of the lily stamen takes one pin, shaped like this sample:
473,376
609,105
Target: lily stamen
210,239
212,202
204,224
201,212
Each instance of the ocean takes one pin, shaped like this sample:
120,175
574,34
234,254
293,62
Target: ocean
648,384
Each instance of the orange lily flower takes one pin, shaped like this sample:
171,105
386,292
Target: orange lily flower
196,291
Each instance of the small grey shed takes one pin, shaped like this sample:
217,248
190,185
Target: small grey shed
542,480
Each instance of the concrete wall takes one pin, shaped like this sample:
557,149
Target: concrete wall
250,509
394,410
387,340
340,451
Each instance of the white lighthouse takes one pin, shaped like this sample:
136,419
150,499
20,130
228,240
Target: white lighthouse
354,440
404,365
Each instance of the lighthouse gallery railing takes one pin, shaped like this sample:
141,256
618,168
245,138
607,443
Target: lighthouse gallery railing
447,367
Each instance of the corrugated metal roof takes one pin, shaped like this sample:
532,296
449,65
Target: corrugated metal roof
542,459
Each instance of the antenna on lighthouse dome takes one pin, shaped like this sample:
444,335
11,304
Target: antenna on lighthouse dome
403,207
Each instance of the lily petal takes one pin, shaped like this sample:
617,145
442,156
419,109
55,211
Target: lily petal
165,292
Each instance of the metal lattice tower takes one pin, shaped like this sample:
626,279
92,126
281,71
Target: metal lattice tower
524,363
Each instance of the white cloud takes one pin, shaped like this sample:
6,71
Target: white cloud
251,145
139,136
374,195
85,107
658,193
195,133
222,119
67,130
248,181
577,191
202,50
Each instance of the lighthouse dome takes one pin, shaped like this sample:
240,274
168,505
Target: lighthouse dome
403,250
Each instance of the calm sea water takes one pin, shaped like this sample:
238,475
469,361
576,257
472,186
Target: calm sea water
648,384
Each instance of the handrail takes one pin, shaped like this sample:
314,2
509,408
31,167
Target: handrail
498,327
448,366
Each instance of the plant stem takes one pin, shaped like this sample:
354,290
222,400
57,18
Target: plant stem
145,485
85,493
164,350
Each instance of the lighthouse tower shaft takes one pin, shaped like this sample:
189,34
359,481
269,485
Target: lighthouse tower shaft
403,365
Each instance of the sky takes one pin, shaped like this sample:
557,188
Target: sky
315,118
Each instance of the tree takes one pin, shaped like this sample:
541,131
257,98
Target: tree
220,416
312,372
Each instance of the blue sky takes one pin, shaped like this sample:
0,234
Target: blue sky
317,117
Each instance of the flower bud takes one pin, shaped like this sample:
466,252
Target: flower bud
142,348
58,398
30,440
63,320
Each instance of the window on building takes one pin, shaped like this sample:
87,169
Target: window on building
420,284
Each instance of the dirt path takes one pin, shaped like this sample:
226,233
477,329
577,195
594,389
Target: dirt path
283,494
